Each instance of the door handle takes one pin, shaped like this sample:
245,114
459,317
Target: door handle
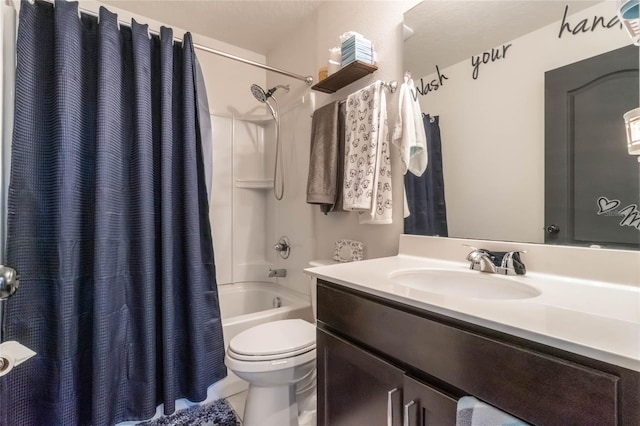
390,406
406,412
552,229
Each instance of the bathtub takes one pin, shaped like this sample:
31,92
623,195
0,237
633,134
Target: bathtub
245,305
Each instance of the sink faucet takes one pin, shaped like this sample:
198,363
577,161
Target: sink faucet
504,263
481,261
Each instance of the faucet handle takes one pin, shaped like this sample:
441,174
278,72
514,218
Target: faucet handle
512,264
474,254
480,260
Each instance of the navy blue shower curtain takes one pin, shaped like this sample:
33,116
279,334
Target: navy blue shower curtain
108,224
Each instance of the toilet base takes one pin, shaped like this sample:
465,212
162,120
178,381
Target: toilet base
271,406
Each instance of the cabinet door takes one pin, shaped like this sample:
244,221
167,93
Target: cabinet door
356,387
426,406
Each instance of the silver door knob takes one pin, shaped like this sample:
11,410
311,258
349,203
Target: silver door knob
9,282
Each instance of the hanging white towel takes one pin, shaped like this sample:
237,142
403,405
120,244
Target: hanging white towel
409,134
361,141
381,212
367,171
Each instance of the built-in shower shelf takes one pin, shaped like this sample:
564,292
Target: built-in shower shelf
260,120
344,76
254,183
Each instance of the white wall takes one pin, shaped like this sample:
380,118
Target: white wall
292,216
313,234
493,128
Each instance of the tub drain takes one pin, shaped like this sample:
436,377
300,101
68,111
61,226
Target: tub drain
277,302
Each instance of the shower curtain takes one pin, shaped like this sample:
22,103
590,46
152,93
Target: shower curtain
107,224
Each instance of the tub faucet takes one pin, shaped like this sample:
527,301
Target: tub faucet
277,273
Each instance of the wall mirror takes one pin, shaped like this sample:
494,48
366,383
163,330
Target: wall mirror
499,75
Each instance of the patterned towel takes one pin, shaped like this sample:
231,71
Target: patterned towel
367,171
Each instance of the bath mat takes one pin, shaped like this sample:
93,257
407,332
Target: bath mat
218,413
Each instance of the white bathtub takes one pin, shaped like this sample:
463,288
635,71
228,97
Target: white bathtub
245,305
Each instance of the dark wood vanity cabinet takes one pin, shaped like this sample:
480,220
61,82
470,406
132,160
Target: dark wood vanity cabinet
356,385
359,388
379,359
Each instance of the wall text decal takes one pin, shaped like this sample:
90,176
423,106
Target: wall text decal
586,25
489,56
432,86
630,214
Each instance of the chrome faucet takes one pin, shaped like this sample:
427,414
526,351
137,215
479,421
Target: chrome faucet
511,264
486,261
277,273
481,261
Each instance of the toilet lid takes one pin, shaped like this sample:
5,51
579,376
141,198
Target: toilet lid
274,338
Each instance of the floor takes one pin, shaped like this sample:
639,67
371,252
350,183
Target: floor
237,403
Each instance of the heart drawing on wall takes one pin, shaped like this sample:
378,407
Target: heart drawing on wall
607,205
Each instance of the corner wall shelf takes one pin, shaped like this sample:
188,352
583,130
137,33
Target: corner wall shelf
254,183
344,76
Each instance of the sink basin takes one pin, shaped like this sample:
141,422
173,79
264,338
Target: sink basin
468,284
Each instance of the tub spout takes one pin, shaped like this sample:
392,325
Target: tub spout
277,273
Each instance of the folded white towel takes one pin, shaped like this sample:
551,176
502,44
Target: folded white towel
367,171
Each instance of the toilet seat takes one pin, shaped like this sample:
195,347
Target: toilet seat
242,357
265,365
273,341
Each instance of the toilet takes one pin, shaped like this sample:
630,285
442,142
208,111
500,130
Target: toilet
274,358
278,359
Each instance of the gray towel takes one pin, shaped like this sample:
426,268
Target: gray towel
324,184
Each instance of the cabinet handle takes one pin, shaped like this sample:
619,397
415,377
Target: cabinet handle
406,412
390,406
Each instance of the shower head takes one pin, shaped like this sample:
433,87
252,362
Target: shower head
262,96
258,93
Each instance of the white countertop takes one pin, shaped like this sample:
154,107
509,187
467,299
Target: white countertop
590,318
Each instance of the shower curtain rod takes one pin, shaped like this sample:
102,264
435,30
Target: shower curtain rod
307,79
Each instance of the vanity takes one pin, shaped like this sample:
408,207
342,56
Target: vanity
394,349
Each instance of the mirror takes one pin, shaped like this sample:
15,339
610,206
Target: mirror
481,68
